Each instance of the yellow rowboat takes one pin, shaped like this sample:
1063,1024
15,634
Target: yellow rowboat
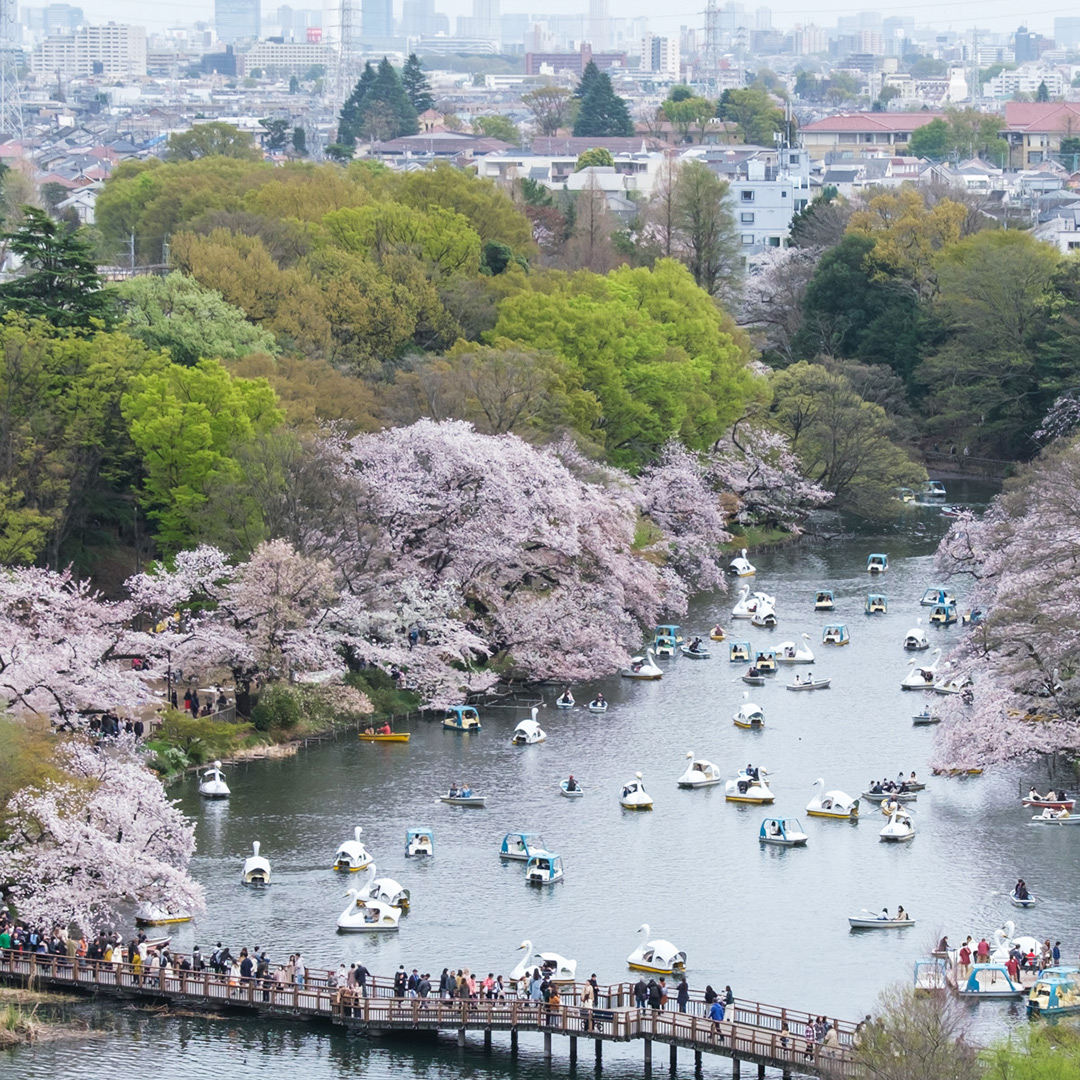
396,737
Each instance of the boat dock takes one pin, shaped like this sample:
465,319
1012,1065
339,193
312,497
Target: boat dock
750,1033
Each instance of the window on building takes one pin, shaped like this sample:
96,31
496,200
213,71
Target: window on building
1072,245
794,159
747,196
773,241
747,238
746,218
783,194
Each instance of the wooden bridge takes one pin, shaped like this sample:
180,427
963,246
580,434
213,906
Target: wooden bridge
761,1035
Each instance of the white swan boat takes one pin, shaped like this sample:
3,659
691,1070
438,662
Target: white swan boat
643,667
832,804
352,855
916,640
368,916
764,617
634,796
748,603
750,786
528,732
256,868
809,683
1006,939
786,832
561,969
788,652
699,773
740,566
658,957
952,684
544,868
749,715
921,676
899,829
385,890
149,914
212,785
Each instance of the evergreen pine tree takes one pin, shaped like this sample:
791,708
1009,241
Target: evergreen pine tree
387,111
588,77
351,118
416,85
602,111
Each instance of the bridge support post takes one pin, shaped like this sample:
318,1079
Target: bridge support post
599,1055
487,1040
761,1070
547,1045
648,1054
513,1042
673,1056
573,1049
786,1074
461,1037
697,1061
735,1068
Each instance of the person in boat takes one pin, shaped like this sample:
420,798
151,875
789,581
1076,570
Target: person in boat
1020,890
572,785
636,665
718,631
751,772
876,788
809,677
566,698
385,729
695,645
912,779
798,681
454,791
884,916
465,793
598,701
789,651
901,914
753,672
1034,796
943,945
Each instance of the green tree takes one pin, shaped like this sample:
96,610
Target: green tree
388,104
808,86
59,281
189,423
602,113
498,127
294,85
931,140
551,107
350,120
755,112
177,313
1042,93
416,85
1036,1053
688,112
53,194
596,156
926,67
216,139
277,133
590,73
658,354
845,443
299,141
705,227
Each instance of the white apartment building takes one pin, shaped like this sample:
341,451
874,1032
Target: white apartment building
1025,80
280,59
809,40
660,55
113,49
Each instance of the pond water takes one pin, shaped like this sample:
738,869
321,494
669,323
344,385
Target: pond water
770,922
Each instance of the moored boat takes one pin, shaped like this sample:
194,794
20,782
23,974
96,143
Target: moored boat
1056,992
989,980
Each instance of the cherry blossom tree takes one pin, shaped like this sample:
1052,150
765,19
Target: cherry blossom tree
63,649
757,466
102,833
1021,559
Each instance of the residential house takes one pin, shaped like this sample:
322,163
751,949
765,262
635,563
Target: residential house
1034,130
855,133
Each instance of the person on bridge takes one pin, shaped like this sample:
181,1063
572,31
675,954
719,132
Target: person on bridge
655,995
716,1015
641,992
682,995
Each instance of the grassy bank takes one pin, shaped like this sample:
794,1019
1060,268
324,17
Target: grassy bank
753,537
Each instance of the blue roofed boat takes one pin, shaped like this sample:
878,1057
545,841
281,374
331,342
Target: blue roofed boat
462,718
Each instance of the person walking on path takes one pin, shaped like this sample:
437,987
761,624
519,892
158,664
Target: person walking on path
682,995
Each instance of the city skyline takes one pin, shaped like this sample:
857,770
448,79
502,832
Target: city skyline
957,16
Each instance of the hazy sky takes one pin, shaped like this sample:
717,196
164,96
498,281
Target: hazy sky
996,15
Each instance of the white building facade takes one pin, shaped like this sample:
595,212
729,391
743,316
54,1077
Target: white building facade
113,49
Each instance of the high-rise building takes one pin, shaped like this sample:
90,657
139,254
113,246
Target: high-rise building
599,25
1067,32
1026,45
660,55
236,20
93,50
763,18
418,18
376,21
486,19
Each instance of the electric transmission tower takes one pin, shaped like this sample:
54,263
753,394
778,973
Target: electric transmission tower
710,54
11,113
348,60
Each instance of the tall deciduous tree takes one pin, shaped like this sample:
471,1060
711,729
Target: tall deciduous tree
706,228
755,112
216,139
550,107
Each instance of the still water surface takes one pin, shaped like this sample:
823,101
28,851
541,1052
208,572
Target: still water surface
770,922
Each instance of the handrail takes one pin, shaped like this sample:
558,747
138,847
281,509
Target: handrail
750,1029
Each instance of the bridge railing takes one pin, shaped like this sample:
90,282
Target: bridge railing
749,1028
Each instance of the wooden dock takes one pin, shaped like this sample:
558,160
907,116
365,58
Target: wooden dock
750,1033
